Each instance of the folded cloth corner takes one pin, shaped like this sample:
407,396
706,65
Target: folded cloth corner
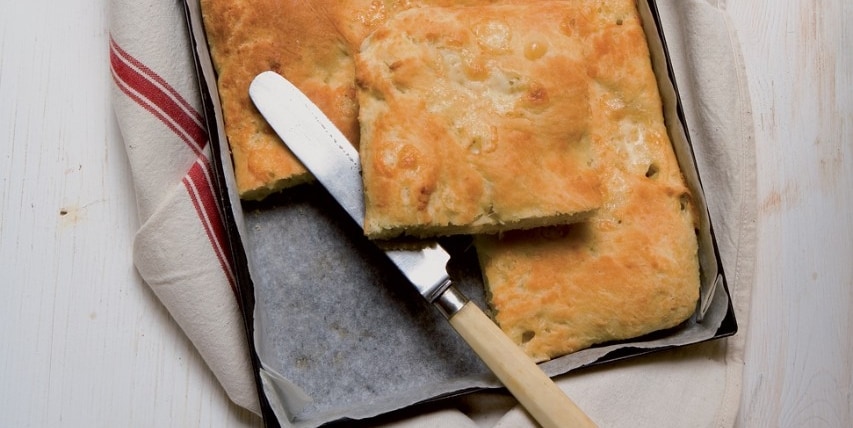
180,250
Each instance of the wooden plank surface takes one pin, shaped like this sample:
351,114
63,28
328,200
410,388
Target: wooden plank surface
799,59
83,342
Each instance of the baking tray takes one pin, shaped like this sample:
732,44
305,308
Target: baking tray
335,333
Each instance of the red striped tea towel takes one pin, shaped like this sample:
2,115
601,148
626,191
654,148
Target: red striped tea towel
180,249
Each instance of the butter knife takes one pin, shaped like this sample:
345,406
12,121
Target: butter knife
335,163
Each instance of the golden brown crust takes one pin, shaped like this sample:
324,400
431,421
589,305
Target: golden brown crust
298,39
309,42
475,119
632,268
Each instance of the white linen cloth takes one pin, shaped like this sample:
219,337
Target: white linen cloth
180,249
181,254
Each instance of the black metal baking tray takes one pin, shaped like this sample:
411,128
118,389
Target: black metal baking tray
282,252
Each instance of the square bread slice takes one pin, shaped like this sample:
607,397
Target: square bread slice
633,267
297,39
312,43
475,119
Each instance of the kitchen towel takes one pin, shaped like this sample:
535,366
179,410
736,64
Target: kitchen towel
181,253
180,250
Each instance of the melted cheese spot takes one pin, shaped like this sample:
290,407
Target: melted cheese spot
493,36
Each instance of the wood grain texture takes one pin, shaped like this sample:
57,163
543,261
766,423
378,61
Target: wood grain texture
84,342
799,59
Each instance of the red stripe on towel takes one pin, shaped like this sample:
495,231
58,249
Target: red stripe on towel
198,183
188,108
155,95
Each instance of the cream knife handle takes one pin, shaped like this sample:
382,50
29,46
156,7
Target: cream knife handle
542,398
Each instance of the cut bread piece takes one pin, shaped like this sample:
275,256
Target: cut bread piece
312,44
475,119
631,269
297,39
624,274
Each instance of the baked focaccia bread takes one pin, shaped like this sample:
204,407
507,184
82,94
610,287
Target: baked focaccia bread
632,268
474,120
299,42
312,44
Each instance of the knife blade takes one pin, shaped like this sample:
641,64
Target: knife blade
335,163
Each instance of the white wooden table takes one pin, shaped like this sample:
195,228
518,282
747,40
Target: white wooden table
83,342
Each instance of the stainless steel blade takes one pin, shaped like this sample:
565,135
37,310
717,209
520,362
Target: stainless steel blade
335,163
